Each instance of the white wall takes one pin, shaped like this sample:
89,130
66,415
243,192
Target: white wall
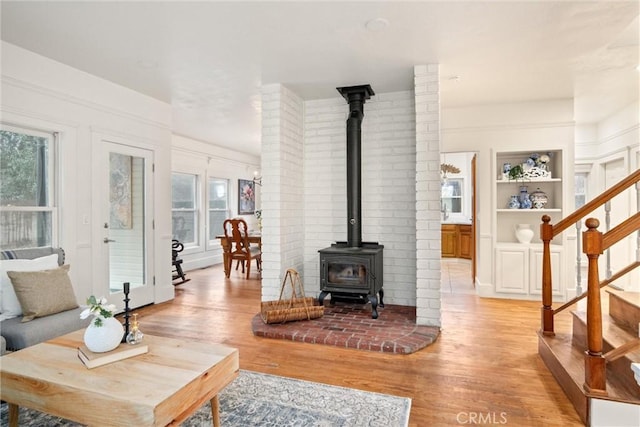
388,186
40,93
613,142
506,127
209,161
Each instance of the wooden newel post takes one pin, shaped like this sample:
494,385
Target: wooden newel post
546,235
595,378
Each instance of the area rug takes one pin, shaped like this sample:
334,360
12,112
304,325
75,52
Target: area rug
256,399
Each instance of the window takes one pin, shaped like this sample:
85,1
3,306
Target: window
581,188
452,195
184,214
218,205
27,182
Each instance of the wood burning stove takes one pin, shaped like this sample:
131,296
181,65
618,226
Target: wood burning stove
352,274
352,270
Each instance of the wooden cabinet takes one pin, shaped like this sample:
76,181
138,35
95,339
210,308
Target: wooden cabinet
465,239
449,240
456,241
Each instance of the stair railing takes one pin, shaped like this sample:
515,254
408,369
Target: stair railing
594,244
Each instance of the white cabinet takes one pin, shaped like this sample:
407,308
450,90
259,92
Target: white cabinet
535,269
512,269
519,269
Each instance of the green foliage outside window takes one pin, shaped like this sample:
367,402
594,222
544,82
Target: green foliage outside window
23,169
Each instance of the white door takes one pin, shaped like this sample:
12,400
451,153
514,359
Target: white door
127,223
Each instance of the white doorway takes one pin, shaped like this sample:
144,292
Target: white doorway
126,223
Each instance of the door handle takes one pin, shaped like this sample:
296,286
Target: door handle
107,240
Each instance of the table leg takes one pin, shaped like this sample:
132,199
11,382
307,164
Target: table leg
215,411
13,415
226,250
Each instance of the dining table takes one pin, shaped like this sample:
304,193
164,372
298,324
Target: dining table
253,237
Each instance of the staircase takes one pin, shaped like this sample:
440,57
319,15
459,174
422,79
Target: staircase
594,353
564,353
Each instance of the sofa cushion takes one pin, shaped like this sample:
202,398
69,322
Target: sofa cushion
42,293
20,335
10,306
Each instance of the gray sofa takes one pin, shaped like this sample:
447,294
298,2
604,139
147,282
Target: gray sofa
17,335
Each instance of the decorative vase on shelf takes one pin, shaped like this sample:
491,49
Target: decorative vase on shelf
539,199
524,233
525,201
514,203
105,337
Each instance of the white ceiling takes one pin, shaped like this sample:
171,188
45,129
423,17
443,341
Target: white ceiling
208,59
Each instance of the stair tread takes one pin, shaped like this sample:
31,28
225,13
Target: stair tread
613,333
633,298
572,360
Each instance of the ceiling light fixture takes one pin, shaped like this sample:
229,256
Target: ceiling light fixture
377,24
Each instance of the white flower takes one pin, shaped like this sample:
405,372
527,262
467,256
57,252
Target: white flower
99,308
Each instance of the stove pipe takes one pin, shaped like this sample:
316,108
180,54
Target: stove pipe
356,97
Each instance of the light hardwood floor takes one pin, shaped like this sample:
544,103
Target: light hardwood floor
483,369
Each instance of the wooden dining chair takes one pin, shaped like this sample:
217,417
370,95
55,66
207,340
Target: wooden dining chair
237,233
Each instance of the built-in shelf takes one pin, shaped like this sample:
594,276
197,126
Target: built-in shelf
528,182
523,211
518,266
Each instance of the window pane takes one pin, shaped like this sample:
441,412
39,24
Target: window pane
216,219
183,191
580,184
218,205
218,194
184,228
26,180
25,229
24,168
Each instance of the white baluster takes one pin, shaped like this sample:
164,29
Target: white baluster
638,209
607,218
578,259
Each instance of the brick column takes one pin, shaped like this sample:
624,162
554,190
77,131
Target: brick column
282,186
428,282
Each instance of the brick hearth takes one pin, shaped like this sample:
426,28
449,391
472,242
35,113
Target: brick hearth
351,325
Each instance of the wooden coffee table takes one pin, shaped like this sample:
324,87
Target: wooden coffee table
162,387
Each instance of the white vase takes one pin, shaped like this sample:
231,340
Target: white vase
104,338
524,233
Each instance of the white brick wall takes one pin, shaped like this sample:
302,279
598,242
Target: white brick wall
282,190
427,207
304,192
388,186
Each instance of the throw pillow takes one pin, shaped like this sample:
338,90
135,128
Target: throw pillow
42,293
8,299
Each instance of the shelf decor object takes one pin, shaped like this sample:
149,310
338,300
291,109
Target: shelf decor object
539,199
524,233
525,201
514,203
446,168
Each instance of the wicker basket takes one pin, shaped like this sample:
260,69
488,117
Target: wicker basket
294,308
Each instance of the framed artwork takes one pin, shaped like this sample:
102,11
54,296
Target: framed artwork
246,197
